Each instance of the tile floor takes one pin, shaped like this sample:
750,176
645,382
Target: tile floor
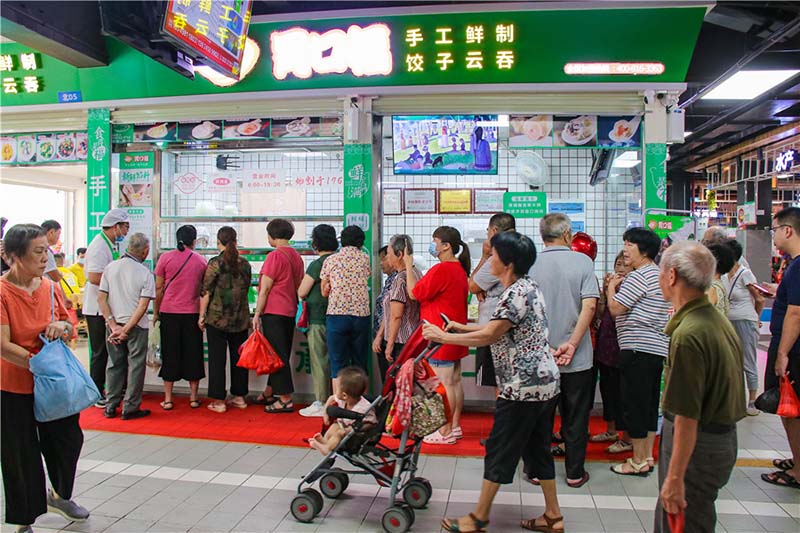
134,483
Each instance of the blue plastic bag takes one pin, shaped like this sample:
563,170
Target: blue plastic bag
61,386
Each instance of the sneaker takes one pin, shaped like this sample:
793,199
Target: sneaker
437,438
620,447
751,410
66,508
101,403
315,409
139,413
109,412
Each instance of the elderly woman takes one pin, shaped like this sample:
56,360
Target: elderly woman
717,294
527,384
746,304
179,280
30,306
641,314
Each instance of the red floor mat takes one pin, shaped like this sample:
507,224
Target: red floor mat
254,426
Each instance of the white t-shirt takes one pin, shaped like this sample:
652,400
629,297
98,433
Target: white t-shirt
51,262
742,304
489,283
362,406
98,256
126,281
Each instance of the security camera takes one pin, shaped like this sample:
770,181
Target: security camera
649,96
661,96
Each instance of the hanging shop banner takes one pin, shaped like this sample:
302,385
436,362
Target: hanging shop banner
136,179
207,130
98,169
393,50
455,201
677,228
620,131
656,176
530,131
259,180
489,201
419,201
160,132
256,128
746,213
43,148
525,204
306,127
358,189
574,208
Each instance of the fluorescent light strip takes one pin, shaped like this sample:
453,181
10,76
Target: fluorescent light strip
747,84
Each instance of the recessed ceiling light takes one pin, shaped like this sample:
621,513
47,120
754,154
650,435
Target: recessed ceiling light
747,84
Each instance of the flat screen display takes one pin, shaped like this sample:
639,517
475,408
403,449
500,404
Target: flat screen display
445,144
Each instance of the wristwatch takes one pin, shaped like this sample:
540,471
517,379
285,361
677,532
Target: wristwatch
110,318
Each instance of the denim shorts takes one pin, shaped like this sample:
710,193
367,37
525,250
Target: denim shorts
439,363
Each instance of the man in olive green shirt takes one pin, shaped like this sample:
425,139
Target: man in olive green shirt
703,396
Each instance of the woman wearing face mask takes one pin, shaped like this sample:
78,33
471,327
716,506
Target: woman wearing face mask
444,289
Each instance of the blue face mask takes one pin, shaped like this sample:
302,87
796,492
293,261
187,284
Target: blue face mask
432,249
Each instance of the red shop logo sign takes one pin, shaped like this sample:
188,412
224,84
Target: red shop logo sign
188,183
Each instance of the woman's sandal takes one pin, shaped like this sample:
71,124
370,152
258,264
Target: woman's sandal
167,406
638,469
530,524
604,437
265,400
194,404
238,405
451,524
783,464
580,482
558,451
781,479
278,406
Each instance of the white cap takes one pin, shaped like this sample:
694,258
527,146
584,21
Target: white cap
113,217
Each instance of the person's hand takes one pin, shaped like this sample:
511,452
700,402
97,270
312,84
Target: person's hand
376,344
408,257
201,323
486,249
481,296
68,304
256,323
673,495
614,283
606,280
389,353
433,333
781,364
564,353
156,318
55,330
326,419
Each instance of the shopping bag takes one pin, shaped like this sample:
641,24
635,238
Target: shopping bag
154,347
677,522
61,386
767,401
427,414
259,355
789,405
302,316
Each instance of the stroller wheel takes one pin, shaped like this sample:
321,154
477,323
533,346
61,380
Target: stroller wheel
417,493
306,505
396,520
410,512
333,484
344,477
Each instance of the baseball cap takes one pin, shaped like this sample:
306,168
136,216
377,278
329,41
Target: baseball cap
115,216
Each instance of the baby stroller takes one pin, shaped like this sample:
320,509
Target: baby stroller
362,449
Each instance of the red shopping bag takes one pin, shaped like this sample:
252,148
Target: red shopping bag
676,522
259,355
789,405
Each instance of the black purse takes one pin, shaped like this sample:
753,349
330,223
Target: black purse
768,400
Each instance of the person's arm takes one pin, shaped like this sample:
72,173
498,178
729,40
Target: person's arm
758,300
305,287
325,287
378,340
137,315
201,321
264,286
411,276
11,352
159,297
108,315
94,277
486,335
614,307
789,335
567,350
673,491
712,295
486,251
395,319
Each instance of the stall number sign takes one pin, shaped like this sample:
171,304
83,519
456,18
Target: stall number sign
19,73
525,204
785,161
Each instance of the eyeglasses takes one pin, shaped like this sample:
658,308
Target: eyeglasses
773,229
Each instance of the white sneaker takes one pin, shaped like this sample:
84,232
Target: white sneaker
751,410
315,409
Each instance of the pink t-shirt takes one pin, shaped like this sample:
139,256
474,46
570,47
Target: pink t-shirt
286,269
182,295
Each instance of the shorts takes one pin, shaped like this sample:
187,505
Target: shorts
770,379
181,348
440,363
640,391
484,367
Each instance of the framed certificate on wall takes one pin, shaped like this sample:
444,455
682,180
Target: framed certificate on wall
419,201
392,201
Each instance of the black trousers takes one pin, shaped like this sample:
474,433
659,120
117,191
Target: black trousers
279,331
608,376
98,361
383,364
575,404
221,346
640,390
24,441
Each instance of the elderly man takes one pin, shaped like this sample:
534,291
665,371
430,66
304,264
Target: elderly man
125,292
717,235
703,396
102,251
570,290
784,350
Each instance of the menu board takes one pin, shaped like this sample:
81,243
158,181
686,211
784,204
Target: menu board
619,131
256,128
200,131
65,146
575,131
530,131
159,132
215,31
39,148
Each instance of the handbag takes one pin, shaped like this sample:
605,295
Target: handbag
427,414
154,347
768,401
61,386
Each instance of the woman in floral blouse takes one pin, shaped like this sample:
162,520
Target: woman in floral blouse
225,315
527,381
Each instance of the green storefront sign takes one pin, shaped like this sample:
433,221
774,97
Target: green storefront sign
675,227
98,169
399,50
525,204
358,189
656,172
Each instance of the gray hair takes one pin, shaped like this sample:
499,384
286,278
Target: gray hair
692,262
399,242
553,226
715,235
137,243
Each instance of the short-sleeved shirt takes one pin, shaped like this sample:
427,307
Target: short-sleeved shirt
27,316
181,292
285,267
362,406
444,289
80,273
98,256
566,278
126,281
723,304
742,306
316,302
348,273
523,363
378,318
69,282
398,292
642,327
788,294
51,262
228,306
704,376
489,284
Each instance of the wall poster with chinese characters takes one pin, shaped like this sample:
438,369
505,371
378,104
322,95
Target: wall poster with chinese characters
44,148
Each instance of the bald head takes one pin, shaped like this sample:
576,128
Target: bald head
692,262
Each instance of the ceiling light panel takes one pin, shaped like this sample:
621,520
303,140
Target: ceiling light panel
747,84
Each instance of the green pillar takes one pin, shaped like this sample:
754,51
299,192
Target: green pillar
98,169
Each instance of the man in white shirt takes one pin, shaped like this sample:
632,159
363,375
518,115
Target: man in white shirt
101,251
126,288
53,229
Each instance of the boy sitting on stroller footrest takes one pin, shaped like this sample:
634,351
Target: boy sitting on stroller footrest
353,384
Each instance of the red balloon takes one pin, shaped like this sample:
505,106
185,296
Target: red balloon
585,244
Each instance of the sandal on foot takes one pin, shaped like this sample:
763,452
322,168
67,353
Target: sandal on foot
437,438
238,405
265,400
783,464
532,480
651,462
576,484
457,432
547,527
451,524
167,406
781,479
604,437
620,447
278,406
217,407
638,469
194,404
558,451
557,438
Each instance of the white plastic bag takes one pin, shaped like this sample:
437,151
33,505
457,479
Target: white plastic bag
154,347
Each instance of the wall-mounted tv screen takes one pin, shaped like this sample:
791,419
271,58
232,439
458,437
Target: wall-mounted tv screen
445,144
